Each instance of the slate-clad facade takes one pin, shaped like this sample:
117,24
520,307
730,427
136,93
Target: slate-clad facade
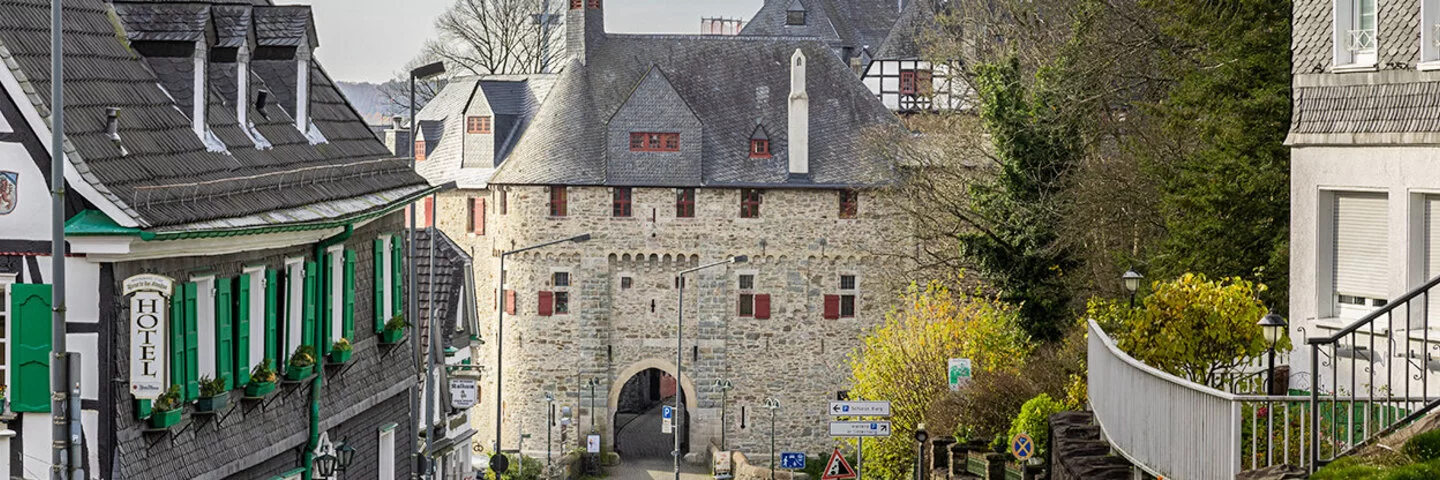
219,180
1365,147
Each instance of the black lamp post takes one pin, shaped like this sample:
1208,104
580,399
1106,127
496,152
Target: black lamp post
592,383
1273,326
773,405
549,425
1132,284
920,437
346,454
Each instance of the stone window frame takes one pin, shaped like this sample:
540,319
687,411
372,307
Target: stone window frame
504,194
745,297
622,201
685,207
849,210
751,199
849,295
627,280
561,293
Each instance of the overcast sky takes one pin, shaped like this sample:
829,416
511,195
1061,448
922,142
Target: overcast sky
370,40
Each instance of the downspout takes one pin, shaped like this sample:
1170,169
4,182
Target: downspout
319,380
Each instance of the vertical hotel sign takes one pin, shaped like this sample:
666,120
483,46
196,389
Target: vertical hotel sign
149,319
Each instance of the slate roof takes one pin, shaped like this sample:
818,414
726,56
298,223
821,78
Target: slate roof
854,24
731,84
448,289
903,42
169,178
513,101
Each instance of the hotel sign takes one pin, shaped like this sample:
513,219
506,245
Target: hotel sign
149,321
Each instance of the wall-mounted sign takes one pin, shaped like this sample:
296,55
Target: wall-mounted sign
149,321
9,191
463,393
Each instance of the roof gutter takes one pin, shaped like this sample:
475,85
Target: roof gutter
300,227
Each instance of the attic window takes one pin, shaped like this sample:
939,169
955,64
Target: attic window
420,149
477,125
907,82
593,3
577,4
654,142
795,17
759,148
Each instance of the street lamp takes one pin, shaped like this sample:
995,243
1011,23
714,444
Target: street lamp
500,331
724,386
772,404
1132,284
680,348
592,383
920,437
549,425
412,312
1273,327
346,454
325,466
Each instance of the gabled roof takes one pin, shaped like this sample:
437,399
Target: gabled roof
168,178
512,100
856,25
904,41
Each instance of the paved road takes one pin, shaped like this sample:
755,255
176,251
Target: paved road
655,469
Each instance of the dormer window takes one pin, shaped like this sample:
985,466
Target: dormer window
477,124
593,3
654,142
795,17
759,148
1430,34
577,4
420,149
1354,33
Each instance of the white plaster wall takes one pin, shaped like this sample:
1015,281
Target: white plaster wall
36,453
31,218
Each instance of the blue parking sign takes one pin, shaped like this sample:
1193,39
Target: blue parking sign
668,412
792,461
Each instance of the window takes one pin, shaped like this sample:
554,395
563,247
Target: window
1355,32
622,201
795,17
419,149
907,82
842,305
750,203
504,201
1429,34
6,279
477,124
685,203
557,201
654,142
849,204
386,454
296,283
561,279
562,303
626,283
759,148
1360,247
475,221
389,265
594,3
340,285
577,4
752,304
252,322
556,302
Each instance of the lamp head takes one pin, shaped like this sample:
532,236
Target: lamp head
1273,326
1132,280
347,454
427,71
739,259
325,465
581,238
920,434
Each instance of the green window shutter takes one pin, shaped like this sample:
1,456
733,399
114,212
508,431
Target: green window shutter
381,316
347,327
397,260
30,326
323,303
224,331
177,337
307,326
272,313
242,331
192,343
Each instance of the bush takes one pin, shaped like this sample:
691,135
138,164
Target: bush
1424,447
1034,420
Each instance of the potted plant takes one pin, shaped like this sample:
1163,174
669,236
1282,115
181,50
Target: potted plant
4,400
213,395
394,330
262,380
167,409
340,352
302,363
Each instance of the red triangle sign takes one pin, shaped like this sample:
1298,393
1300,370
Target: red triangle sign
837,468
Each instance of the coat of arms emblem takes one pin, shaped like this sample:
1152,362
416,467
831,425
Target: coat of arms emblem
9,191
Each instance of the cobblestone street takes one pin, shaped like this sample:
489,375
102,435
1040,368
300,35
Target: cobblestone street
656,469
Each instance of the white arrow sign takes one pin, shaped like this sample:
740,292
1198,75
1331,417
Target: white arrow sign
859,429
855,409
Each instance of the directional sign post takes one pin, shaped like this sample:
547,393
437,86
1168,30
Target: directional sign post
792,461
667,419
860,409
860,429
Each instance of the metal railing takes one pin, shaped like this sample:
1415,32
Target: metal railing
1175,428
1379,375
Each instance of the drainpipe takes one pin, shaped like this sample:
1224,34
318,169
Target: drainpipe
319,380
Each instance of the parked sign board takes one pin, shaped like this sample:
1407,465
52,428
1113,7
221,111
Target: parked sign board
858,409
860,429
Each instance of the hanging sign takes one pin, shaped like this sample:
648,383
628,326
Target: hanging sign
463,393
149,322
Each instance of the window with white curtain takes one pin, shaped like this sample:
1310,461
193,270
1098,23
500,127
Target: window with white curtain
1430,34
1355,31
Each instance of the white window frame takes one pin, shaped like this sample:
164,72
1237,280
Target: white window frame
6,280
1346,32
556,290
851,292
1331,262
1429,35
294,304
386,453
257,316
205,327
336,300
388,271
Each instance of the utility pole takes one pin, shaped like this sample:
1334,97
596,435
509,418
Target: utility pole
60,467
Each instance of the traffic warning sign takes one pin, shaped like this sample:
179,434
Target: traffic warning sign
837,468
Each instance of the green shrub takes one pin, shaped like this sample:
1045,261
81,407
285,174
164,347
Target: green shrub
1424,447
1034,420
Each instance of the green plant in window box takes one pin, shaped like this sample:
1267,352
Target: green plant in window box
167,409
394,330
302,363
4,400
262,380
213,395
342,349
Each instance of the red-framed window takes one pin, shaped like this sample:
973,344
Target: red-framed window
849,204
750,199
621,206
654,142
577,4
477,124
594,3
759,148
907,82
420,149
685,203
476,218
558,202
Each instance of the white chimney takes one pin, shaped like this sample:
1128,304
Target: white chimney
302,88
200,90
242,90
799,141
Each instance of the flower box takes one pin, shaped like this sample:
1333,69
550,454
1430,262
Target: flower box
296,374
259,389
340,356
165,419
212,404
391,336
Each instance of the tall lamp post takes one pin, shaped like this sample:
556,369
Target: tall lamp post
592,383
920,437
1273,326
680,348
500,331
724,387
549,425
772,404
412,312
1132,284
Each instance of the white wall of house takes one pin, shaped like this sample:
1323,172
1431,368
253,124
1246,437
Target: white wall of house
31,218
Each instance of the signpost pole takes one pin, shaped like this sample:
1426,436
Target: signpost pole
860,459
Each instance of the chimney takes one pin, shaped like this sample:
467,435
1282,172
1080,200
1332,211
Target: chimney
397,137
799,141
200,89
242,90
584,28
302,88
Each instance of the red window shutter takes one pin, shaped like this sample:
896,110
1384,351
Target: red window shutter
832,307
510,302
495,300
428,212
547,304
479,216
762,306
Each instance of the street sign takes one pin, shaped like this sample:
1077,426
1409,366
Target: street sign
859,409
860,429
837,468
499,463
722,462
792,461
667,419
960,373
462,393
592,444
1022,447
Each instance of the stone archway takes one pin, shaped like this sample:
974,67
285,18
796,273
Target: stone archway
686,389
